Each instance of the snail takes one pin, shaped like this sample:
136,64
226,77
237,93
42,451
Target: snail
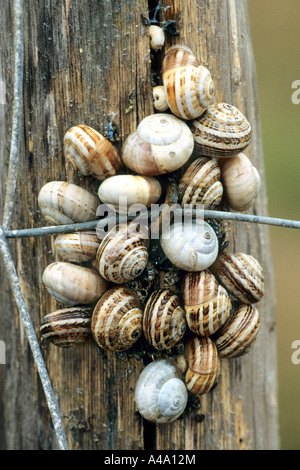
200,184
241,182
241,274
71,284
67,327
206,303
160,99
90,153
189,86
222,131
203,364
136,189
65,203
117,319
78,247
161,144
164,322
160,394
157,37
122,254
191,246
239,333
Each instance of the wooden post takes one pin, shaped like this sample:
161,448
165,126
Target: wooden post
90,62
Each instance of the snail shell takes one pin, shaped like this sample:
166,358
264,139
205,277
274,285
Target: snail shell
160,99
66,203
206,303
241,275
203,364
137,189
241,182
157,37
164,321
160,394
189,86
67,327
117,319
200,184
71,284
122,255
91,153
161,144
192,246
222,131
78,247
239,333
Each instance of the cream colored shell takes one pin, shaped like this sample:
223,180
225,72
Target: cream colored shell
157,37
160,99
78,247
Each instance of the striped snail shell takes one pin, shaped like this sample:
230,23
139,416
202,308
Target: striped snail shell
222,131
122,254
239,333
200,184
206,303
78,247
157,37
67,327
160,394
203,364
117,319
65,203
161,144
160,99
164,321
71,284
191,246
189,86
90,153
241,274
136,189
241,182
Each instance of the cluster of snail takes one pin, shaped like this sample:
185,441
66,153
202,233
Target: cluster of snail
215,311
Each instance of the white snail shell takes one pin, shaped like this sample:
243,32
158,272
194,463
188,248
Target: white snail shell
160,394
160,99
161,144
192,246
78,247
157,37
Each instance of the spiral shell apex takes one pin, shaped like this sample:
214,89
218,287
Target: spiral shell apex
222,131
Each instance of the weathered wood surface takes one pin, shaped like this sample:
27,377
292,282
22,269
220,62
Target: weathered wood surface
89,62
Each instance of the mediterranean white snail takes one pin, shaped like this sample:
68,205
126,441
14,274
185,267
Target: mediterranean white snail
78,247
241,274
161,144
67,327
206,303
239,333
157,37
66,203
191,246
160,102
222,131
164,322
71,284
200,184
160,394
117,319
91,153
189,86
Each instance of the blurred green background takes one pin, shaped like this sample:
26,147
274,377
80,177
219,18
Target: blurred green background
275,31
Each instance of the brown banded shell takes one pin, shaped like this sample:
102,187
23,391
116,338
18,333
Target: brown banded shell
66,203
203,364
160,99
241,274
90,153
78,247
71,284
239,333
189,86
164,322
117,319
222,131
200,184
206,303
161,144
67,327
122,255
